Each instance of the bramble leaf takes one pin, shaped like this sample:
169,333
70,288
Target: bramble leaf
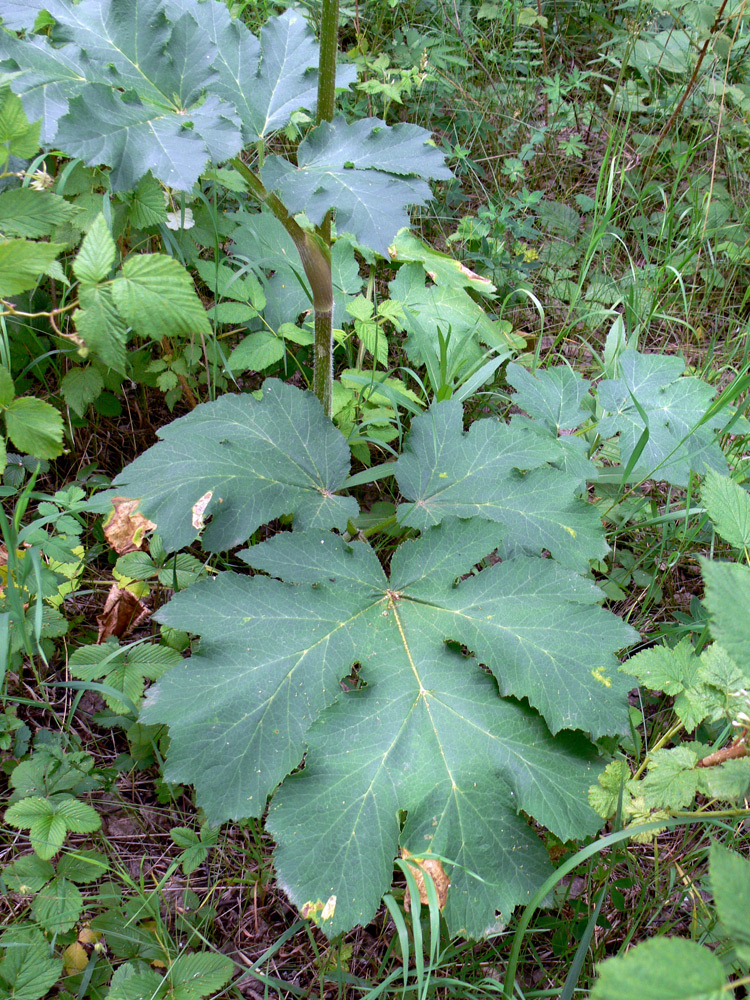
96,256
728,601
728,506
156,296
35,427
730,882
80,387
33,214
23,263
662,969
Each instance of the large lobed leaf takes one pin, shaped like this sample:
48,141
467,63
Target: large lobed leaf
428,733
160,85
680,436
499,472
259,459
367,170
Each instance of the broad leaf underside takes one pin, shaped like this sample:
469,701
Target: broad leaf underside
429,734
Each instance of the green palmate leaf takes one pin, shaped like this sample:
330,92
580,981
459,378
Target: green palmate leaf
156,296
282,81
230,284
262,240
552,396
728,601
124,670
662,969
367,170
444,471
456,756
17,136
132,87
258,459
58,906
20,14
22,264
101,327
33,214
96,257
47,76
674,405
134,138
730,882
34,427
164,86
80,387
728,506
265,81
27,971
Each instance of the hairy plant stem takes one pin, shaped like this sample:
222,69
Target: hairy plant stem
323,366
316,261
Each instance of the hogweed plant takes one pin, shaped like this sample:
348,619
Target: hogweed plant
480,666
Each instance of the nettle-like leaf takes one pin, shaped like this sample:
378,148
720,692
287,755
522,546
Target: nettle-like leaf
367,170
674,406
662,969
498,472
427,733
728,601
728,506
249,461
159,85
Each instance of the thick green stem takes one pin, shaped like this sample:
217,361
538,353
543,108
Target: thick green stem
316,260
329,28
314,249
329,31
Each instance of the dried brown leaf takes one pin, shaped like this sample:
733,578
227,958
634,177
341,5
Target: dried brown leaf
122,612
432,867
125,528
